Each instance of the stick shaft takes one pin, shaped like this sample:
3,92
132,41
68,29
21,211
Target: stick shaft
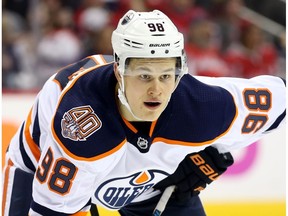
163,200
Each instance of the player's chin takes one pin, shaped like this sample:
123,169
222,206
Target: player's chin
151,115
150,118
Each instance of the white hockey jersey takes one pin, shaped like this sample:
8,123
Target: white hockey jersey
82,149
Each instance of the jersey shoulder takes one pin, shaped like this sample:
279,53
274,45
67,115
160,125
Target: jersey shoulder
64,75
201,112
208,108
86,123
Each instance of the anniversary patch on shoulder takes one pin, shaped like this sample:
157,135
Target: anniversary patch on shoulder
79,123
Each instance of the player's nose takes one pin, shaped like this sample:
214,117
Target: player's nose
155,88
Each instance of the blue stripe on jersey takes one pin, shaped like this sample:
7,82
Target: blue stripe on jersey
63,75
108,58
281,117
277,122
27,161
284,80
36,128
47,212
21,193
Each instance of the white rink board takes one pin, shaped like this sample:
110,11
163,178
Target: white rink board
257,175
263,179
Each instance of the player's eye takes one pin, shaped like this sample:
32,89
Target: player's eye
165,77
145,77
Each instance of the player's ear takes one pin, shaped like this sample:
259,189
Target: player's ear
117,73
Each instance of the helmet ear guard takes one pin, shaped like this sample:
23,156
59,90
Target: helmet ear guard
147,35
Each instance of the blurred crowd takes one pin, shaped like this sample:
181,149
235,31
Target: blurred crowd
41,36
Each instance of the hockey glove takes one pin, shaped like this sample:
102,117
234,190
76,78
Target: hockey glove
195,171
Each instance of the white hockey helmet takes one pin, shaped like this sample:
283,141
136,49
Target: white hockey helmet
148,35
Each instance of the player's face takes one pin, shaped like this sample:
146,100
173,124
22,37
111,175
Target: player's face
149,84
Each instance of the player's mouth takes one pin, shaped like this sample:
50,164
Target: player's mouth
152,104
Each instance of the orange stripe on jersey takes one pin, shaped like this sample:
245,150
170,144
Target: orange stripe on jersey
152,128
32,145
177,142
5,186
75,79
80,214
59,71
57,82
132,128
103,60
129,125
110,152
99,59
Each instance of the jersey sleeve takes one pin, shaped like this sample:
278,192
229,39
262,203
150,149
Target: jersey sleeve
261,108
62,185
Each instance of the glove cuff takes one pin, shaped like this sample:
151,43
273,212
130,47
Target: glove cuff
221,160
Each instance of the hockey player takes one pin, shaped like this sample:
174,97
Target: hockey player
116,131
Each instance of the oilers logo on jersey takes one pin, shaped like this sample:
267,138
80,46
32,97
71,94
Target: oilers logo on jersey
79,123
115,193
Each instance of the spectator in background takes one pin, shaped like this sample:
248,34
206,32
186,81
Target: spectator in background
49,22
102,42
83,15
181,12
125,5
252,55
59,44
19,7
93,23
11,26
202,49
18,59
226,15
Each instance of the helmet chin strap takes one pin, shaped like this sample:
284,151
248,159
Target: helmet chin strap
123,99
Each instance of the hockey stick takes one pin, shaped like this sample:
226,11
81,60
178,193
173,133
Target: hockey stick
160,207
94,210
